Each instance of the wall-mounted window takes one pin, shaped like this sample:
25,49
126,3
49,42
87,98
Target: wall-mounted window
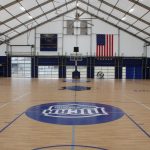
70,27
83,27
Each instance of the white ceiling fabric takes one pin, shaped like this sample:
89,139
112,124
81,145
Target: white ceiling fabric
19,16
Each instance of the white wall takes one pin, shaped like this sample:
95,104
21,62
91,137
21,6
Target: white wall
22,39
83,42
148,51
2,50
129,45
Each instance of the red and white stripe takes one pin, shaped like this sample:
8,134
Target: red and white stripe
108,49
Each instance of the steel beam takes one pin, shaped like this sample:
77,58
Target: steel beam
140,4
36,17
116,18
113,25
121,10
9,4
38,25
29,10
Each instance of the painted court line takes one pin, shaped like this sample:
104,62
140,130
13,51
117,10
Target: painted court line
138,126
18,98
4,105
15,100
61,146
10,123
140,103
73,138
73,127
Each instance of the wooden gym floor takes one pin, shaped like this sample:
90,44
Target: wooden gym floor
19,132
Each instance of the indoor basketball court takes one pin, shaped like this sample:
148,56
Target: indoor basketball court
74,75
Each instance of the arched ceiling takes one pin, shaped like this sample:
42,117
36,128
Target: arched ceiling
20,16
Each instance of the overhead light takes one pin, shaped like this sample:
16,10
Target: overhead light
30,17
22,8
78,4
124,18
131,10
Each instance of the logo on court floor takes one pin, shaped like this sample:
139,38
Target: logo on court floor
74,113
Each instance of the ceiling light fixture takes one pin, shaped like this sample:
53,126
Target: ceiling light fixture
22,8
124,18
30,17
131,10
78,4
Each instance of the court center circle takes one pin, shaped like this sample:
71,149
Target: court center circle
74,113
84,147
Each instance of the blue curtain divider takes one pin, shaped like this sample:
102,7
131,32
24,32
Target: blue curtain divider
138,72
134,72
129,72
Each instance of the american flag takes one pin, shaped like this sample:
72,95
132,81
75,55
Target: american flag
105,45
